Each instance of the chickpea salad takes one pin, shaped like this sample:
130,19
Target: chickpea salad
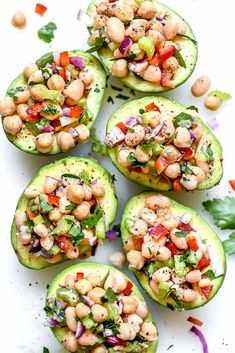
64,213
96,308
50,107
144,43
175,255
161,144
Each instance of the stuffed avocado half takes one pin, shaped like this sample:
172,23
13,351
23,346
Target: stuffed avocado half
159,143
147,45
95,308
63,213
50,107
175,255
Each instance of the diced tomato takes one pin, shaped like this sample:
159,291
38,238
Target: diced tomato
161,164
62,73
40,9
152,107
137,243
195,321
63,243
53,200
111,1
173,249
187,153
166,52
204,262
33,112
134,169
128,289
232,183
185,227
166,79
79,275
75,112
56,125
84,91
155,60
192,243
31,214
122,127
64,58
206,291
163,180
158,231
177,186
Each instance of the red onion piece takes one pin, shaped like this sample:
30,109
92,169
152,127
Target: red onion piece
77,61
61,304
212,123
80,329
43,129
66,111
87,300
112,235
68,75
52,322
42,254
115,341
115,137
193,137
160,19
51,180
125,44
201,337
133,121
73,132
93,241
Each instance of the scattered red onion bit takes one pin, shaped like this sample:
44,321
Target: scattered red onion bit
201,337
212,123
194,321
112,235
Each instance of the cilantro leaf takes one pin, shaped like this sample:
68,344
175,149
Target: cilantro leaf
183,119
76,233
92,220
222,95
229,244
50,109
131,157
109,296
185,169
192,107
99,42
146,146
12,92
110,324
46,350
181,234
210,274
97,146
187,37
180,59
46,33
207,151
222,211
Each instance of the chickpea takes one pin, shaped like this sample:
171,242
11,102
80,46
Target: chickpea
189,182
171,153
24,238
152,74
43,142
142,310
99,21
70,316
83,286
188,295
135,137
82,310
87,339
164,254
135,259
147,10
116,281
149,331
82,211
156,37
55,215
139,228
102,8
97,189
156,25
74,193
197,131
162,274
21,110
86,77
7,106
127,332
123,154
201,86
170,222
119,68
96,294
18,20
95,280
41,230
37,92
118,55
177,280
199,173
70,342
115,30
50,185
149,216
47,242
12,124
69,281
170,29
154,287
36,77
65,141
30,70
56,82
149,249
204,282
117,258
183,137
99,313
194,276
143,155
137,29
157,201
125,13
173,170
213,102
20,218
99,349
203,165
74,90
87,192
32,191
22,96
180,242
83,133
135,51
72,253
171,64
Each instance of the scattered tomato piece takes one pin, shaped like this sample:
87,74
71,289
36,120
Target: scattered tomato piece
79,275
204,262
122,127
232,183
194,321
63,243
33,112
152,107
206,291
128,289
64,58
31,214
53,200
40,9
192,243
161,164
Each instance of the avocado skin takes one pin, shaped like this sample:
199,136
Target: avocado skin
55,169
24,140
87,267
132,108
136,82
133,207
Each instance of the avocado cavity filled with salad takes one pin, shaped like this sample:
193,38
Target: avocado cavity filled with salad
64,213
161,144
96,308
175,255
144,43
51,106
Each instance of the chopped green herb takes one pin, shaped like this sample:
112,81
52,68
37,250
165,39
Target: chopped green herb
46,33
116,227
178,302
209,274
181,234
110,99
222,95
70,207
222,211
109,297
133,56
92,220
208,153
131,157
99,42
43,122
76,233
45,73
46,350
132,92
31,125
85,176
50,109
34,208
12,92
130,129
141,111
45,207
180,59
116,88
185,169
183,119
149,250
170,347
146,146
104,279
110,325
97,146
192,107
229,244
121,96
188,37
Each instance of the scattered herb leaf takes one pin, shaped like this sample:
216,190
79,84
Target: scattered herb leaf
110,99
116,88
229,244
181,234
46,33
222,95
97,146
185,169
183,119
192,107
92,220
222,211
121,96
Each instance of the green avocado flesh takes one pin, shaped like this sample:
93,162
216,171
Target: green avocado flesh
103,271
71,165
188,51
132,109
24,140
132,209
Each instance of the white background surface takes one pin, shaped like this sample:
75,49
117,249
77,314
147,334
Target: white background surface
23,290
